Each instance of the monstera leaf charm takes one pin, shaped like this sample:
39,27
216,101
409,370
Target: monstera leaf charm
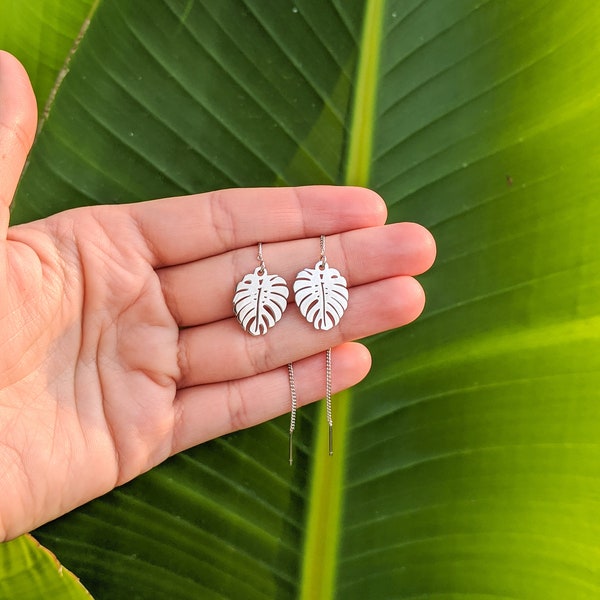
260,300
321,295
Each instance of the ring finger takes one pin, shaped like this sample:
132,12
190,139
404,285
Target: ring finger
222,351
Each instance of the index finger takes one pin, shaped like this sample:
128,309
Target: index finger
183,229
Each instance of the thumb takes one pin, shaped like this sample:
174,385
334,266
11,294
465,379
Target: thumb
18,121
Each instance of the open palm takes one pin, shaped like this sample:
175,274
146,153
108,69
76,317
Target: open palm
118,342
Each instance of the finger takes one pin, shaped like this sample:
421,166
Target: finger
209,411
180,230
201,292
223,351
18,120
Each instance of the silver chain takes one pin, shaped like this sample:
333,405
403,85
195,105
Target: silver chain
328,398
293,412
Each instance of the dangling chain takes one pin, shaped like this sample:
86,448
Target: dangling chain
328,398
293,412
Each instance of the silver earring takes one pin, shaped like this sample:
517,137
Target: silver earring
322,297
321,293
260,299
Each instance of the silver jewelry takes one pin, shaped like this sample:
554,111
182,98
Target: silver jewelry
328,398
295,404
260,299
321,293
322,297
293,411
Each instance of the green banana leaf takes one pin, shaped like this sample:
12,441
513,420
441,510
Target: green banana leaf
467,464
30,572
42,33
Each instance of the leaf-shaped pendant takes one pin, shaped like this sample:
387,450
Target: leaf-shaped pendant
321,295
260,300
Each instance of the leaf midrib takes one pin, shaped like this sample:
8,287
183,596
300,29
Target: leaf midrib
325,508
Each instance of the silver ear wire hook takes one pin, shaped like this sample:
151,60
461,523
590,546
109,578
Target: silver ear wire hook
261,259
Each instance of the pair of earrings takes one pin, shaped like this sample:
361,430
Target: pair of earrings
321,295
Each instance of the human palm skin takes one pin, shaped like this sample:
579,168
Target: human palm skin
118,343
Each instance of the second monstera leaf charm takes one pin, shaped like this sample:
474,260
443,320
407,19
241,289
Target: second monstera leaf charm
321,295
260,299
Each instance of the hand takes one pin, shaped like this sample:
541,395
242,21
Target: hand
118,343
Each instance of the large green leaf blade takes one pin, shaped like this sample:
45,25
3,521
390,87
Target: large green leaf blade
480,426
136,126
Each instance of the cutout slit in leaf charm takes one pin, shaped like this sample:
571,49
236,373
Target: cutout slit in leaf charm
260,300
321,295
